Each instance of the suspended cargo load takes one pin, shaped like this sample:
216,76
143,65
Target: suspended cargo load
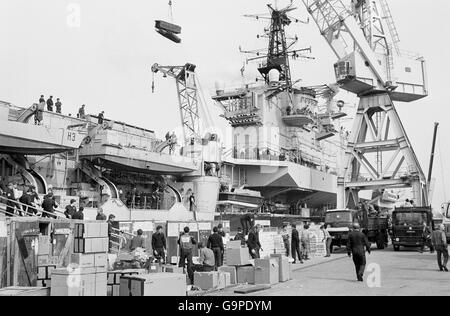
169,27
169,35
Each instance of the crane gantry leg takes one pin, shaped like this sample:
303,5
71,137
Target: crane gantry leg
379,155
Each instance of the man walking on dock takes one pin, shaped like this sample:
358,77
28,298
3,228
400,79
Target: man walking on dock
356,246
439,241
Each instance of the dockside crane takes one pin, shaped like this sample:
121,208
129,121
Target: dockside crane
187,97
363,36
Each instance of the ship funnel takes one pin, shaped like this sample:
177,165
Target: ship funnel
220,88
274,78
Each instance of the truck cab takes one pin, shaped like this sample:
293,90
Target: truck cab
408,225
340,222
446,219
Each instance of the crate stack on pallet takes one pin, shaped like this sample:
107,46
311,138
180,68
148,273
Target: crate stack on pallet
87,273
317,244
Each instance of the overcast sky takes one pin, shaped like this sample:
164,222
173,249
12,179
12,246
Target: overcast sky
104,60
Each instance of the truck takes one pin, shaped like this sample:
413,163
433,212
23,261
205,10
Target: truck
341,221
408,224
446,219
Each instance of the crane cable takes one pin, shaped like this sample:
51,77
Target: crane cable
170,11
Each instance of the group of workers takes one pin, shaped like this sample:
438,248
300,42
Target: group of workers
39,112
28,203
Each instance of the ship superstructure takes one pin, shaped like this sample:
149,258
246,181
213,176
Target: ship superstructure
286,138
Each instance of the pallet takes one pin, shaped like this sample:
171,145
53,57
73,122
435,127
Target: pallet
25,291
252,289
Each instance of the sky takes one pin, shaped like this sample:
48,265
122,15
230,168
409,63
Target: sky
99,53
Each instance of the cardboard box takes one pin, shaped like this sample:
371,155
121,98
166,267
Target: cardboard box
114,276
91,245
116,290
234,244
42,260
45,272
155,268
173,269
284,267
245,275
154,284
44,246
207,280
73,282
267,271
224,280
101,259
231,271
91,230
101,280
237,257
83,260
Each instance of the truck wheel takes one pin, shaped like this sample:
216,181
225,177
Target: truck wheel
396,248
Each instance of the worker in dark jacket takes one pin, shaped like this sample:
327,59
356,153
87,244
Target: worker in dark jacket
58,106
79,215
42,99
159,244
220,230
137,241
247,222
240,236
101,117
186,243
71,209
49,205
439,242
50,104
357,245
215,243
295,245
100,215
10,204
254,246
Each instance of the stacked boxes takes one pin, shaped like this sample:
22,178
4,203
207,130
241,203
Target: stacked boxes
86,275
44,249
113,288
266,271
91,237
317,245
154,284
45,275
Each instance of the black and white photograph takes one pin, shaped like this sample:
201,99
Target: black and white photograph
222,154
